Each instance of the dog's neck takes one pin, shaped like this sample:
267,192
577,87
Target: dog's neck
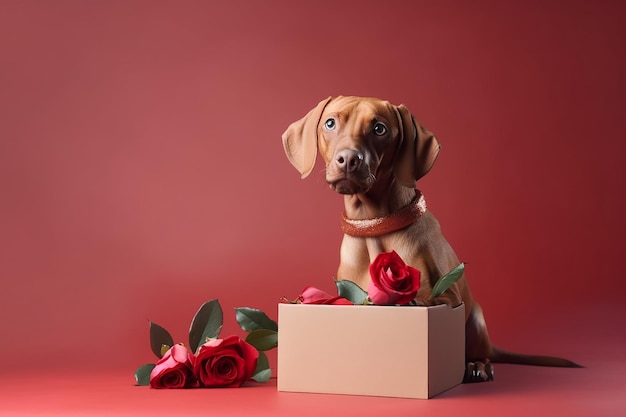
372,214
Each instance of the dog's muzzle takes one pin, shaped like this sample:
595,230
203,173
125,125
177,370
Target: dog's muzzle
349,173
349,160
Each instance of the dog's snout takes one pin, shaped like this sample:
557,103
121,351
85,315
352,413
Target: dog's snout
349,160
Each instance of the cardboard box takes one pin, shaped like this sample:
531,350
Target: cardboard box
409,352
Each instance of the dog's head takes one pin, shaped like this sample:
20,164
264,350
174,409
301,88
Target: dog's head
362,141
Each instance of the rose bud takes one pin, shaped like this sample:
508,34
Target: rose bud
393,281
174,369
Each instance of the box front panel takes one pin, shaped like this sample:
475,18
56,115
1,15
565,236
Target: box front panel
363,350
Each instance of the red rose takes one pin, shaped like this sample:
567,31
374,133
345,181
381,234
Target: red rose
312,295
393,281
225,362
174,369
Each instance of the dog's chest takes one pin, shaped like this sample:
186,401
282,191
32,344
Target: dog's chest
357,254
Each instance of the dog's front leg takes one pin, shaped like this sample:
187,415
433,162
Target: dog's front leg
374,247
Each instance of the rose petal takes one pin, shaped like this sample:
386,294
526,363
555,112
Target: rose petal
163,365
403,283
177,376
312,295
339,301
166,356
212,343
174,379
180,353
378,296
250,356
223,371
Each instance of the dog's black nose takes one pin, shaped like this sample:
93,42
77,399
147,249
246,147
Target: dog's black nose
349,160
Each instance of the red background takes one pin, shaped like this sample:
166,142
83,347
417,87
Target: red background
142,171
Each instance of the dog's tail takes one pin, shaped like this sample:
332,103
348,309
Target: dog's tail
503,356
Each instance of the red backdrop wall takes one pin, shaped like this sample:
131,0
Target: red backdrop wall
142,171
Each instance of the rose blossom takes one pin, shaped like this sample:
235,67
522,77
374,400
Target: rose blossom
312,295
227,362
174,369
393,281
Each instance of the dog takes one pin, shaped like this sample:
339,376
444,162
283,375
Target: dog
374,152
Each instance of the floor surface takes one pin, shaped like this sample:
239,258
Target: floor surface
597,390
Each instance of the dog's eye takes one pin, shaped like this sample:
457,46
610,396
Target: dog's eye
380,129
330,124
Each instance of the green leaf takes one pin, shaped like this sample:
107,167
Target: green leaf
352,292
251,319
206,324
142,374
159,337
263,339
262,373
263,376
447,280
164,349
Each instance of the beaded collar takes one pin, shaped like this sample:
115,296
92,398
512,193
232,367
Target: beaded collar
377,226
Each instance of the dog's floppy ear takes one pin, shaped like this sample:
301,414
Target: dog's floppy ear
300,140
417,150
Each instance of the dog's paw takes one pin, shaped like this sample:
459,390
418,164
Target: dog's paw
428,302
422,302
478,372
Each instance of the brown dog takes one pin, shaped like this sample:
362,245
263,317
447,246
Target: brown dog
374,153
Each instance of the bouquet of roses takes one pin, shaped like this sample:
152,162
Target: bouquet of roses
210,361
392,282
229,362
